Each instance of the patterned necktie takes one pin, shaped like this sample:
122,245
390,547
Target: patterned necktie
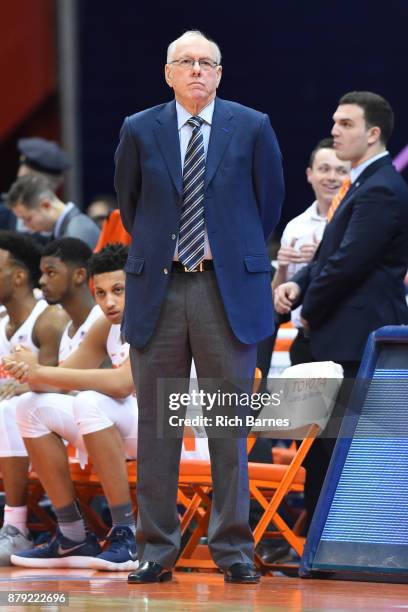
345,186
191,232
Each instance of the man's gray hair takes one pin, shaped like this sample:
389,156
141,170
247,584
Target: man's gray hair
193,34
29,190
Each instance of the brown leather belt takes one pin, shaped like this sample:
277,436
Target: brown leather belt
204,266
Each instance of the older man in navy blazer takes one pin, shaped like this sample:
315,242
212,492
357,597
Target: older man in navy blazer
200,186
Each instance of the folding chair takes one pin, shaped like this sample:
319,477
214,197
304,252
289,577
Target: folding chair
309,403
88,486
270,484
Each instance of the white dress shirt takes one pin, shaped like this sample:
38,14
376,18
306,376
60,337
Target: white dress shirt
306,228
355,172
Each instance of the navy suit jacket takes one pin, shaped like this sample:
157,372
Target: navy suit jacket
355,284
243,197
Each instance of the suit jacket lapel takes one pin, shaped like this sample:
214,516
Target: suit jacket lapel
70,215
222,128
364,176
369,171
169,143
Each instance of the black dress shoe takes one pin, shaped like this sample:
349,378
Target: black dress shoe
242,573
274,554
149,571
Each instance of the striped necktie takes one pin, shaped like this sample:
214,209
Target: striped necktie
345,186
191,232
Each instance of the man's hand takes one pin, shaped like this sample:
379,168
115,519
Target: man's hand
309,249
18,370
12,388
22,354
21,364
304,254
285,295
288,254
305,324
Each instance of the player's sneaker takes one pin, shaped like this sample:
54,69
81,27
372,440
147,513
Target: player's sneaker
120,552
60,552
11,541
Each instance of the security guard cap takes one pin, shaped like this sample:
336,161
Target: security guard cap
43,155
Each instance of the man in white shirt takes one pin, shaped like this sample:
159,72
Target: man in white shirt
302,235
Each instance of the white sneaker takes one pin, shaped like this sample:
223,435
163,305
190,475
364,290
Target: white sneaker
12,541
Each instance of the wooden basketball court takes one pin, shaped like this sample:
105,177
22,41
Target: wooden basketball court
89,590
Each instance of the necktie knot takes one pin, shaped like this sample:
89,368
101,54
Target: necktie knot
195,121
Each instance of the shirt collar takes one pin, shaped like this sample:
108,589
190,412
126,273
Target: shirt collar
355,172
183,115
314,213
68,207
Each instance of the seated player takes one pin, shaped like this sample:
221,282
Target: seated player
101,419
39,327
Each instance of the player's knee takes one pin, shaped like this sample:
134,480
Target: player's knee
88,413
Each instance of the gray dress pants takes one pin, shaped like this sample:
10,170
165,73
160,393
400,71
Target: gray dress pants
192,323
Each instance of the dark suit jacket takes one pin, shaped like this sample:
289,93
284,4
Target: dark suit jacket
78,225
243,196
8,220
355,285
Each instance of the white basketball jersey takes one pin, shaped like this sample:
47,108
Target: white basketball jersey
117,350
69,345
23,335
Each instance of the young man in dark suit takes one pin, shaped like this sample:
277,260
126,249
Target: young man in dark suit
356,282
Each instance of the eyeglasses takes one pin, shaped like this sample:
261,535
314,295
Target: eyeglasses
188,63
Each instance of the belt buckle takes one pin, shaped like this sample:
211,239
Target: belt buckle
198,268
